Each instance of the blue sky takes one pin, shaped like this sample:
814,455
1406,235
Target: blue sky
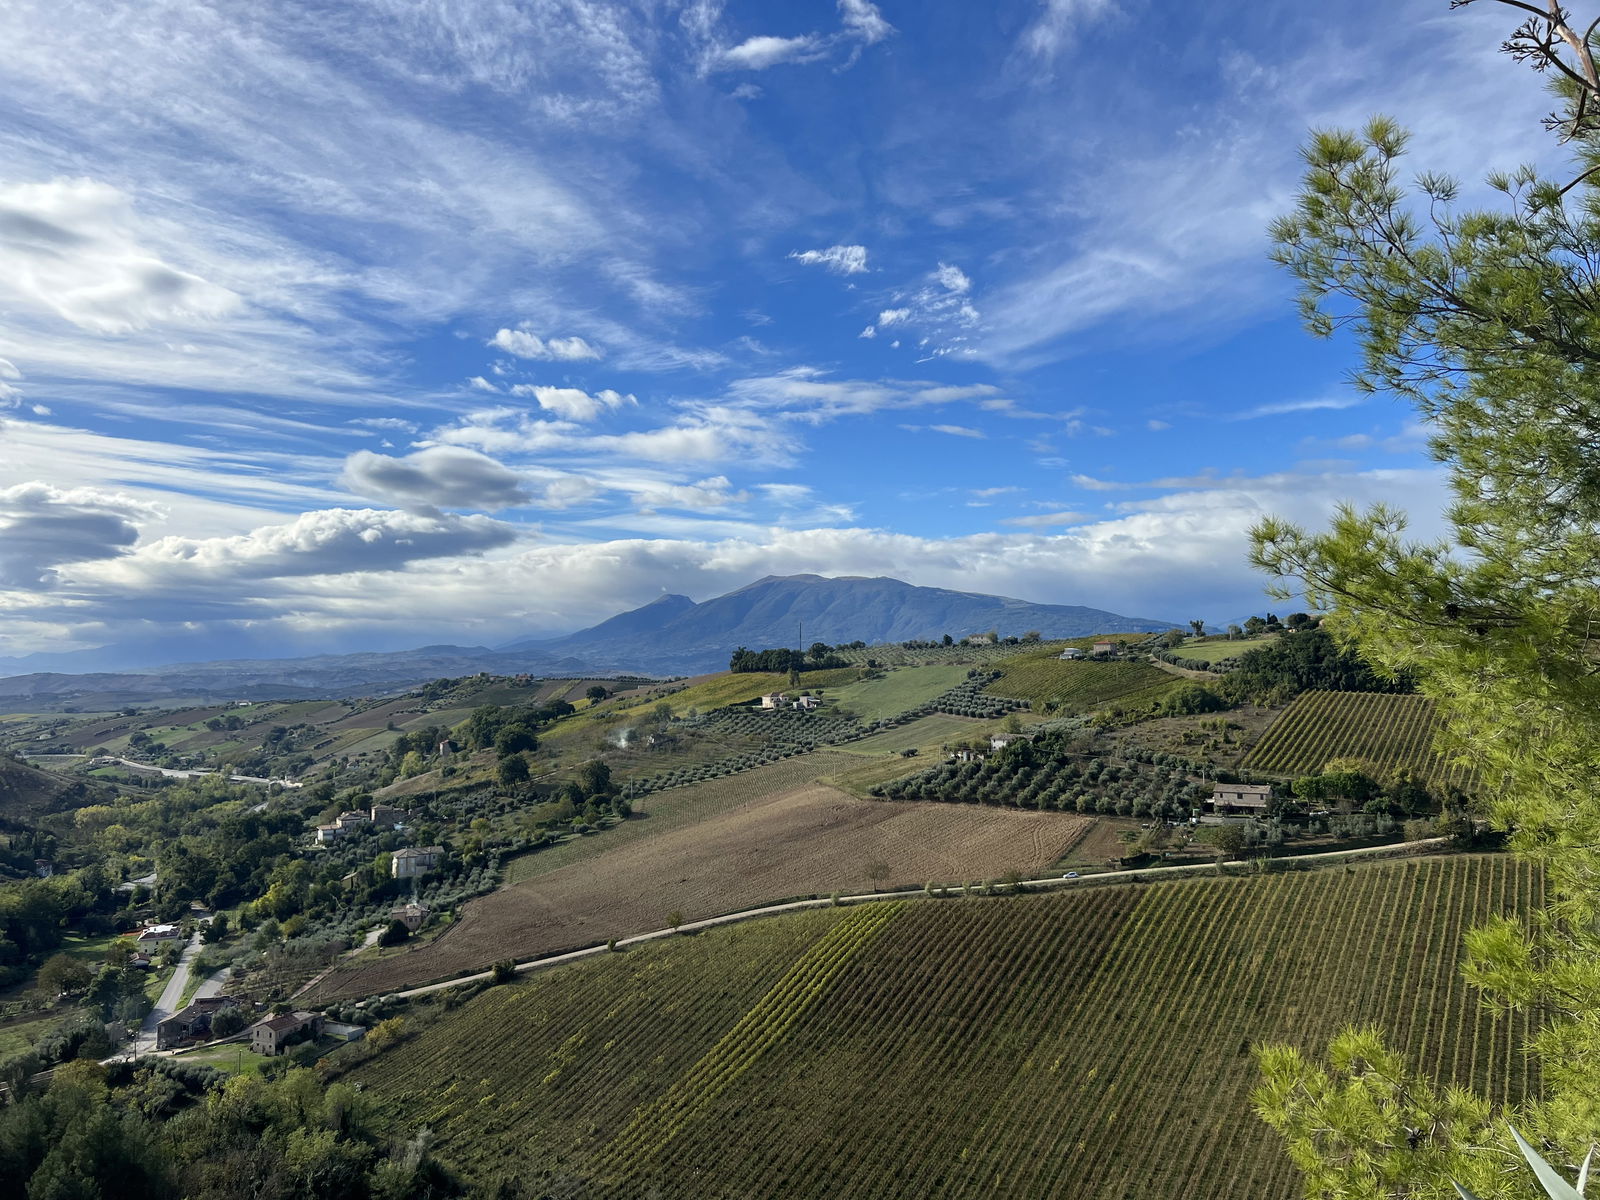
370,324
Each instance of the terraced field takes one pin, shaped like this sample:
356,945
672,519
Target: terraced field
1043,679
1085,1045
1392,732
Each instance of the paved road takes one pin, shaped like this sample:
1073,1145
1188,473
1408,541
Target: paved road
171,997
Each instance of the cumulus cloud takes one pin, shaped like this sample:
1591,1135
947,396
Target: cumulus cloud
952,279
438,477
43,527
72,246
841,260
529,345
336,541
574,404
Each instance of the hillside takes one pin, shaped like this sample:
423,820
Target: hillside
1011,1047
673,634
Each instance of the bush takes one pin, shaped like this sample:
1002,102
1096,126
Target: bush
504,971
226,1022
395,934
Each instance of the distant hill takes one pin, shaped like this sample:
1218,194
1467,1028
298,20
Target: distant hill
674,634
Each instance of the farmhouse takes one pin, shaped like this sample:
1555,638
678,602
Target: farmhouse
1233,797
386,816
272,1036
1000,741
193,1021
1102,649
412,916
152,935
414,860
978,639
807,703
328,834
773,700
354,819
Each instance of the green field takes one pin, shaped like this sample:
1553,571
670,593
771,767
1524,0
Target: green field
1212,651
900,690
924,733
1391,732
1008,1047
1043,679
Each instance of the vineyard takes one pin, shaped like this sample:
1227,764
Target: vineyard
1050,684
1393,732
1088,1045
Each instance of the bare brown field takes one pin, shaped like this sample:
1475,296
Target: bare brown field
808,840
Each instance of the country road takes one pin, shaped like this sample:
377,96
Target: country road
1057,882
171,997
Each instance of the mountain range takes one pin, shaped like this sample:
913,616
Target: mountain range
672,635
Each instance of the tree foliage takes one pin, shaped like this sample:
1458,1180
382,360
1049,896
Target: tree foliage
1486,321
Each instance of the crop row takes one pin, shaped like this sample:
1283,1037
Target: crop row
757,1032
1392,732
1051,684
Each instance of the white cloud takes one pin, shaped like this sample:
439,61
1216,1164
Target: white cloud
952,279
871,331
1058,25
957,431
713,493
327,542
391,424
72,246
527,345
1155,426
759,53
438,477
1294,406
862,19
893,316
574,404
841,260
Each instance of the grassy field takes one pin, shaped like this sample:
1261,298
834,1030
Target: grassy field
1010,1047
900,690
1220,648
1392,732
925,733
1043,679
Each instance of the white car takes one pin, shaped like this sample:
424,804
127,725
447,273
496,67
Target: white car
1070,875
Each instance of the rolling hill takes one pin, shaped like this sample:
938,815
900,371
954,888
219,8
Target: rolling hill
1093,1045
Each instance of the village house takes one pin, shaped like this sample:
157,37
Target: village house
414,861
328,834
1000,741
807,703
272,1036
412,916
978,639
192,1022
386,816
1103,649
154,935
352,820
1240,797
773,700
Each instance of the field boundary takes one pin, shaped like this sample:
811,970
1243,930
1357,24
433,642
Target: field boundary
1328,858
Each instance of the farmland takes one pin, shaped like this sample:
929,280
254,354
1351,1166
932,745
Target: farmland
1010,1047
1214,650
1391,732
1049,684
899,691
808,840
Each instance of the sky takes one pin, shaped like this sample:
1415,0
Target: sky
372,324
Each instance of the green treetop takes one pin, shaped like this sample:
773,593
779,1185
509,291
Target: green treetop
1488,321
